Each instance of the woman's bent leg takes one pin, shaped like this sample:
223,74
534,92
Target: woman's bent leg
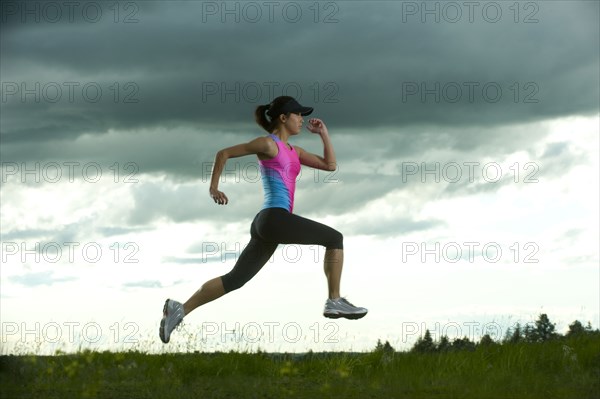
333,264
287,228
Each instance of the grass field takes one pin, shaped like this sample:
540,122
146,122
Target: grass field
565,368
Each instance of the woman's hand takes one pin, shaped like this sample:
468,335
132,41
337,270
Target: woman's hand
218,196
316,126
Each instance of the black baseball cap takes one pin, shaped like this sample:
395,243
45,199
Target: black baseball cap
291,106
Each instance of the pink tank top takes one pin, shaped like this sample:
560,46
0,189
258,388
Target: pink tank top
279,177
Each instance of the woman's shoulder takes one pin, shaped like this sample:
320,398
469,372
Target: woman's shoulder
266,147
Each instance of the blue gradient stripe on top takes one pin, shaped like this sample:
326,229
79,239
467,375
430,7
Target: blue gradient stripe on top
276,193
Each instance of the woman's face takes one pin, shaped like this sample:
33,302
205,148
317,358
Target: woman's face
293,123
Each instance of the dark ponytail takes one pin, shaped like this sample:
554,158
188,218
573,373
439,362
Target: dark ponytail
267,116
261,118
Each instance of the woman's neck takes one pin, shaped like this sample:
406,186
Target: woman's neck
283,135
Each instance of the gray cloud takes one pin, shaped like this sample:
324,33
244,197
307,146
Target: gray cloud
66,233
149,284
194,261
25,234
560,157
108,231
189,202
573,233
466,188
355,72
389,226
40,278
143,284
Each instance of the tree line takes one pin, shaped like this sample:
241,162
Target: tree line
541,330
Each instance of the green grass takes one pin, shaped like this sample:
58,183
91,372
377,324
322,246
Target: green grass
565,368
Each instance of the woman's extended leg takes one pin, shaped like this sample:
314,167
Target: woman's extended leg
209,291
251,260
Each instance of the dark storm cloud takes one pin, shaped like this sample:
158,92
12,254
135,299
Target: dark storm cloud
171,59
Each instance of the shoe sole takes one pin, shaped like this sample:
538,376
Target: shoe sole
161,331
350,316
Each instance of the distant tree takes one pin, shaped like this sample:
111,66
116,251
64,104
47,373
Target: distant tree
463,344
385,348
424,344
507,335
517,334
576,329
529,334
513,335
444,344
589,330
544,330
486,340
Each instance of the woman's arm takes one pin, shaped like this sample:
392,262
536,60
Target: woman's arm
327,161
261,145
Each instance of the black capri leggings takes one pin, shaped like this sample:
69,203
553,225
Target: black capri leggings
271,227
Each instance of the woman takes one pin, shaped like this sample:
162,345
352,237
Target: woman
275,223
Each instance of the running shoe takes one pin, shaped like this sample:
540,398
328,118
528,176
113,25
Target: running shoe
340,307
172,316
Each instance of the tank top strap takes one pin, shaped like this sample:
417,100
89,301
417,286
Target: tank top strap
274,137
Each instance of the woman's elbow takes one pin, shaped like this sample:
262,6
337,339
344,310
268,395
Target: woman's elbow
330,167
222,154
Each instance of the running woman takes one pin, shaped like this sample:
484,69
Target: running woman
275,224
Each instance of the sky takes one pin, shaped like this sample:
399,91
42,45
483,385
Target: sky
467,141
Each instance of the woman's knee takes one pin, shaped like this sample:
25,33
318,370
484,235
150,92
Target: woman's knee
336,241
232,281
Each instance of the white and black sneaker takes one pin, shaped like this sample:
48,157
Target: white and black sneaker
172,316
340,307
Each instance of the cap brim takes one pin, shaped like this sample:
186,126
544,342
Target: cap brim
305,111
293,106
